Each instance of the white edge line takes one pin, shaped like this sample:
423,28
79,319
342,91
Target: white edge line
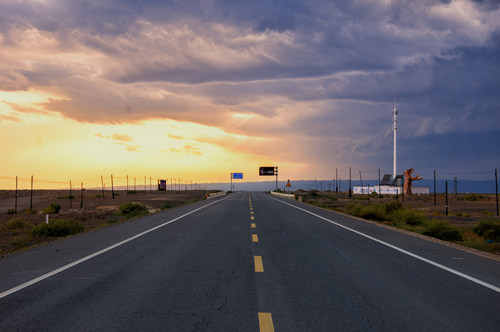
458,273
86,258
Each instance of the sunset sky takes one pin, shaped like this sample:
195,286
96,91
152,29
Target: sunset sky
199,89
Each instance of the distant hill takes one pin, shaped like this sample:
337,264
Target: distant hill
464,186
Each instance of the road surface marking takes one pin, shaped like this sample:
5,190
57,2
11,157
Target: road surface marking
252,218
251,212
428,261
258,264
86,258
266,322
255,238
253,225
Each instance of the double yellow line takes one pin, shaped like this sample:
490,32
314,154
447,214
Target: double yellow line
265,318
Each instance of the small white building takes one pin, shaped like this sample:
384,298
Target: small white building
388,190
389,186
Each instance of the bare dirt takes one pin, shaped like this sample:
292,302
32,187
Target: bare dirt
92,212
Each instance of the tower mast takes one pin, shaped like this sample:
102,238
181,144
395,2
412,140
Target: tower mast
395,112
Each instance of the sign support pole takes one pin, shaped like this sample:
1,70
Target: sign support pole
276,171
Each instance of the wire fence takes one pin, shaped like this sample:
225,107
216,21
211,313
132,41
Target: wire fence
129,183
460,181
25,187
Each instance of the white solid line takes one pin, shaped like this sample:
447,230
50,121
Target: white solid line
458,273
86,258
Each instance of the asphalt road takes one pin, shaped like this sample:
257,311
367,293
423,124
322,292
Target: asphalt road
248,262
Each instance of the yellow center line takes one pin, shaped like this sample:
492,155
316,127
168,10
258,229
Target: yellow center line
252,218
255,238
266,322
258,264
252,225
251,212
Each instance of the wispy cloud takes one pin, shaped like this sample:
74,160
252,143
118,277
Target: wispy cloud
121,137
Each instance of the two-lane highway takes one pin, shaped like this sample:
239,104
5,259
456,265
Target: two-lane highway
247,262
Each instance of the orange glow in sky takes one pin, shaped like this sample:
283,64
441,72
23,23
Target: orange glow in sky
51,147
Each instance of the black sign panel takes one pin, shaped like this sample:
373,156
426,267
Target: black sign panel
266,170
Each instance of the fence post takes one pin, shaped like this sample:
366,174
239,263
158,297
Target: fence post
361,179
496,188
31,194
15,206
379,183
81,198
350,183
112,188
434,187
102,184
70,195
446,197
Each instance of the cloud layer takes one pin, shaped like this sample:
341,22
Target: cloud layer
317,79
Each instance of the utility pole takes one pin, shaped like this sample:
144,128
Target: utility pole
395,113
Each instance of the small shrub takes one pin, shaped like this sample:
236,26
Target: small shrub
373,194
11,211
58,228
112,220
354,209
409,217
66,197
471,197
489,230
443,231
131,209
14,223
53,208
373,212
167,205
392,206
487,213
20,242
30,211
313,193
97,196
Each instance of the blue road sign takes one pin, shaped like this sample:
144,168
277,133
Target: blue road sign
237,175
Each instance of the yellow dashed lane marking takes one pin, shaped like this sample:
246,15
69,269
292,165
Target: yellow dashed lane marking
252,225
251,212
252,218
266,322
258,264
255,238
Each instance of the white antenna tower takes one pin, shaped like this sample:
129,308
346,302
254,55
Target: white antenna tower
395,112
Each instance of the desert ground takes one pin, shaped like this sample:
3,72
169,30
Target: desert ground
93,212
